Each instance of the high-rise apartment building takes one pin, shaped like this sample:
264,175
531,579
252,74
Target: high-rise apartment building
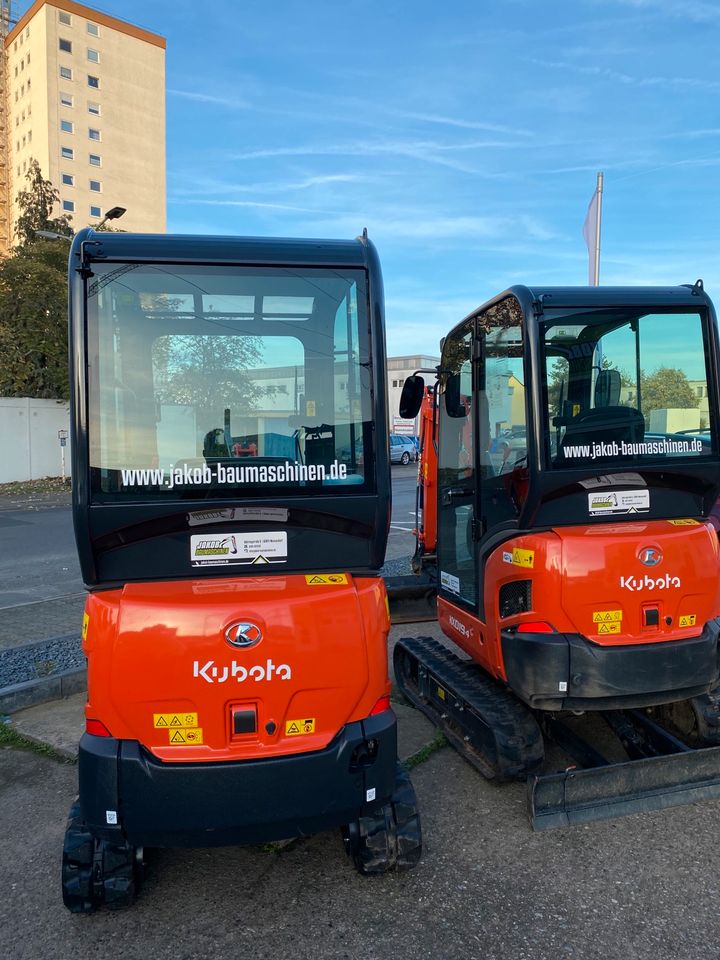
85,97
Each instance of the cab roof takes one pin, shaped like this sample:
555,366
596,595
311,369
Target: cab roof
184,248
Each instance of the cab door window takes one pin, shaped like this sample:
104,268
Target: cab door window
456,469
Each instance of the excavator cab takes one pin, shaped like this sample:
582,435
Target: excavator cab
236,623
578,473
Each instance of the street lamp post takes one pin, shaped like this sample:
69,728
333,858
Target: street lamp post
114,213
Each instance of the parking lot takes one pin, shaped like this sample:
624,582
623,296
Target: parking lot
487,886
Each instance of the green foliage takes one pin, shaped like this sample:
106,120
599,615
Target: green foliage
33,322
36,205
33,298
664,388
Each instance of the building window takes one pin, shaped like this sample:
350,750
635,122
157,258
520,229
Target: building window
95,186
29,136
22,64
95,160
64,18
95,212
28,58
93,56
24,139
66,126
29,82
94,82
94,133
68,180
17,121
65,45
69,205
94,108
66,73
66,99
67,153
93,29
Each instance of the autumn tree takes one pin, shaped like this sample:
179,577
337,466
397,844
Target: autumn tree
36,204
665,388
33,321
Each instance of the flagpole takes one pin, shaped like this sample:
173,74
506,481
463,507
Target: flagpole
599,191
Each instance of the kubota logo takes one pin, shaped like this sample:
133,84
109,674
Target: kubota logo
649,583
650,556
213,673
243,634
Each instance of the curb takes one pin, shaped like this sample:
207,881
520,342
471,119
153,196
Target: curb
32,692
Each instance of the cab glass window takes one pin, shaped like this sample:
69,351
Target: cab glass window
623,386
214,381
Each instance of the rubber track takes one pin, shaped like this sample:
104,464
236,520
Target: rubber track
511,744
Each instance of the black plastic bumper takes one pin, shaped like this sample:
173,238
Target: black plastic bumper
159,804
556,671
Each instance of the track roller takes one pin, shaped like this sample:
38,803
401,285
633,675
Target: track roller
485,723
390,838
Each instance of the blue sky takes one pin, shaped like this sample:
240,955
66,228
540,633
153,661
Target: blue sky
466,136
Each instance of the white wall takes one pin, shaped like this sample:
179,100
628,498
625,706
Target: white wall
29,438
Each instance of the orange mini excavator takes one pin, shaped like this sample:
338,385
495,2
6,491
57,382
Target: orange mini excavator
575,466
231,496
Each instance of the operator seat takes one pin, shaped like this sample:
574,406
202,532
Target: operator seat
603,425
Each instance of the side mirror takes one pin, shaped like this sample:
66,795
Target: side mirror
411,397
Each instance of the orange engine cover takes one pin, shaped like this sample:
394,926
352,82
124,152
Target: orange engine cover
161,669
597,582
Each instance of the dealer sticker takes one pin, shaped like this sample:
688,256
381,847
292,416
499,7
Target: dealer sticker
238,549
618,501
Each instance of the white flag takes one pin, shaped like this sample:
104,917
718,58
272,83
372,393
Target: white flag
591,232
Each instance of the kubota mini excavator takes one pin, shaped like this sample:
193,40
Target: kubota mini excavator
231,497
578,465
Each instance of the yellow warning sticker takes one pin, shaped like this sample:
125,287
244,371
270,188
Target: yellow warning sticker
685,523
607,616
687,620
609,628
441,693
523,558
172,720
86,621
332,578
310,408
183,735
295,728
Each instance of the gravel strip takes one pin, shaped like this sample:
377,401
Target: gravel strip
43,659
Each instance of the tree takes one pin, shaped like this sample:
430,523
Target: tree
33,322
36,205
209,373
664,388
33,298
